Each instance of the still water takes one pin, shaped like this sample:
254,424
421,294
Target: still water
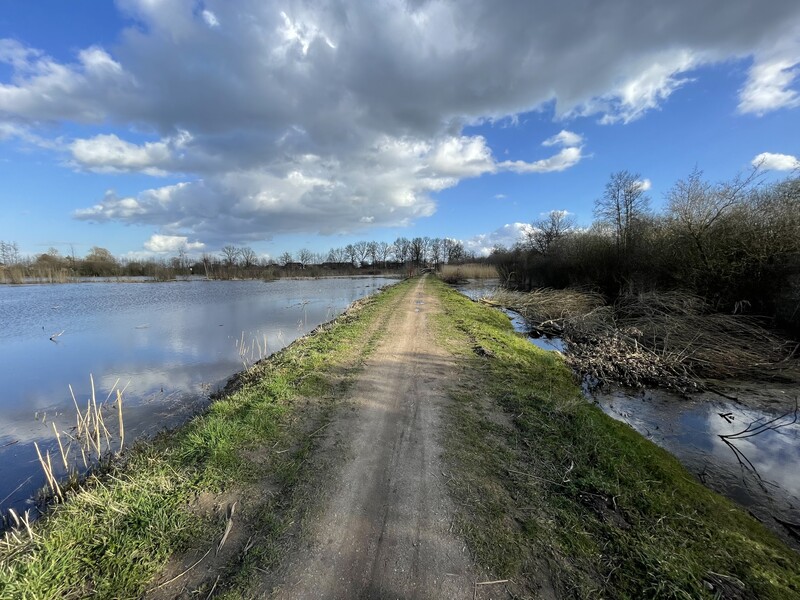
745,446
172,344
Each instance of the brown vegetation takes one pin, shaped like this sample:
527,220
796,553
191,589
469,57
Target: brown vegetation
461,273
670,339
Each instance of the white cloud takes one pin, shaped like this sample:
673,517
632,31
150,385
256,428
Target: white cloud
389,185
110,154
767,87
210,18
500,196
506,236
776,162
566,158
320,119
564,138
645,184
772,74
171,243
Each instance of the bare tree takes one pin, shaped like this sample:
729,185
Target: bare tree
382,251
418,250
183,257
230,255
285,258
436,249
372,252
351,254
337,255
695,205
453,251
305,256
545,232
402,247
248,256
361,249
9,253
206,259
623,204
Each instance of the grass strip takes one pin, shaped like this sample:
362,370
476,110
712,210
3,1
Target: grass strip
117,531
552,493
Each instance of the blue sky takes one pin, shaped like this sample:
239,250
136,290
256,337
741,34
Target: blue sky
147,125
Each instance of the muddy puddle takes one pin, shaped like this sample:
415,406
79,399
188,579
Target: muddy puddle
742,441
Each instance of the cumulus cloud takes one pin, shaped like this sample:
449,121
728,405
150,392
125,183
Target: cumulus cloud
108,154
332,117
776,162
505,236
645,184
388,185
171,243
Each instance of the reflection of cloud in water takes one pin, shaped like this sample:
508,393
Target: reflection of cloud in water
771,452
690,430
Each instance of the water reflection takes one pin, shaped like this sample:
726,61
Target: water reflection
758,472
171,343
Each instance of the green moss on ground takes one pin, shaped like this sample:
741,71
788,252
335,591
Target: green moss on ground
552,491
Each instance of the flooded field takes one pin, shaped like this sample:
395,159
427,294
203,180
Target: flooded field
169,345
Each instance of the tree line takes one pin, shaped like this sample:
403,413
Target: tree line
735,243
232,261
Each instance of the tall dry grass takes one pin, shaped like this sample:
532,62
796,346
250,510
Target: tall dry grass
460,273
89,442
669,339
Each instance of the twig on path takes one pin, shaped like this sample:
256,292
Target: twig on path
179,575
320,429
228,527
477,583
213,587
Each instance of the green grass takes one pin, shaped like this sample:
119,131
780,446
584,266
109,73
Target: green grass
550,489
117,531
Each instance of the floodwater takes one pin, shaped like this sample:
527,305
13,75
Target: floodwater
744,445
169,345
755,463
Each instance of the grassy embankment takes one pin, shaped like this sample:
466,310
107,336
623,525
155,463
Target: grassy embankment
552,492
549,490
112,537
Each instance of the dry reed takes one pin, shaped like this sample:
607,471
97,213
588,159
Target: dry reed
461,273
91,438
668,339
251,353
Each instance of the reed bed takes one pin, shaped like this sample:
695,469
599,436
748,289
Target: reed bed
461,273
670,339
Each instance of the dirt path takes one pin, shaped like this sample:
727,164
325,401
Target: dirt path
385,528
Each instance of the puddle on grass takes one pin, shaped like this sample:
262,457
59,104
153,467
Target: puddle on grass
746,447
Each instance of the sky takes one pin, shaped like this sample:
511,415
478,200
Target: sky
144,126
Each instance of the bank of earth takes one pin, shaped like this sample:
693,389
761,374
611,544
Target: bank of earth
416,447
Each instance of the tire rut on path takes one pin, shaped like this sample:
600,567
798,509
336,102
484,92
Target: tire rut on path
385,528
